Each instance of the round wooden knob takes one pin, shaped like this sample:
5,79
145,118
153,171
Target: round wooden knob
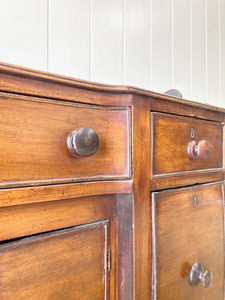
203,150
197,275
83,142
199,150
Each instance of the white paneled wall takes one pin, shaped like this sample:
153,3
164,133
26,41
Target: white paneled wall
161,45
222,52
153,44
68,37
212,63
106,33
136,43
198,50
23,32
181,43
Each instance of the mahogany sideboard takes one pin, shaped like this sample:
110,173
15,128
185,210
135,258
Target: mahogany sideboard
108,192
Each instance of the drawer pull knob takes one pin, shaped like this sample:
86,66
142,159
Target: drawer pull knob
198,275
82,142
199,150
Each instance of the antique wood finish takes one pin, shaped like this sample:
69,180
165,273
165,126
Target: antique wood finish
125,249
179,179
171,140
33,142
76,220
188,229
26,81
112,211
141,205
25,220
57,265
188,109
39,194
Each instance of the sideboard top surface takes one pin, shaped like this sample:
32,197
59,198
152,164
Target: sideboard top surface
36,83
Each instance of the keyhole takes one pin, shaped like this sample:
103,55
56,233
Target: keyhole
192,133
194,201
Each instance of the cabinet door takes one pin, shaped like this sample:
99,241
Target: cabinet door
88,261
65,264
188,230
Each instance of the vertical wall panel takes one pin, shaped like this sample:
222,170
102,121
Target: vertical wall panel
154,44
222,53
23,33
181,46
213,52
198,50
161,45
136,43
106,41
69,37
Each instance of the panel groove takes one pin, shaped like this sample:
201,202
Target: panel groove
47,44
190,48
172,43
90,40
220,54
206,49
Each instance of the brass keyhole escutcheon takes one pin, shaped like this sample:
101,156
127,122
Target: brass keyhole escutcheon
194,201
192,134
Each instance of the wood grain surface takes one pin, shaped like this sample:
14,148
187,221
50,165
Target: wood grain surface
21,80
33,142
25,220
141,201
170,137
70,264
187,231
166,181
85,227
59,192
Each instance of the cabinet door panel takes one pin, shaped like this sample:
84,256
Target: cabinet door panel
65,264
188,229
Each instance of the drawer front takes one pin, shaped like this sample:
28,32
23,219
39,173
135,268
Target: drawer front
188,229
33,142
69,264
171,137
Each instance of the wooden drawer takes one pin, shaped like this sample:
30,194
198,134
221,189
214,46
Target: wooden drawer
188,229
171,136
33,147
65,264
